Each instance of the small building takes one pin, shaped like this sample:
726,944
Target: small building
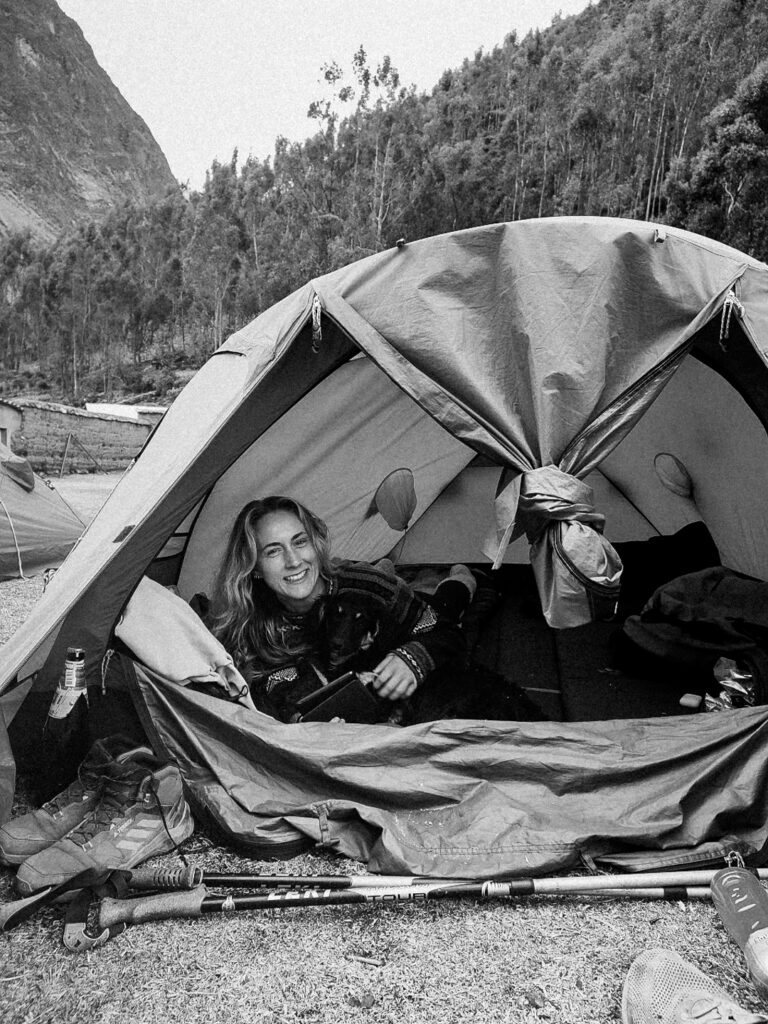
138,413
60,439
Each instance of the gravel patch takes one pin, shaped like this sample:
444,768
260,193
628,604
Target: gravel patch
17,599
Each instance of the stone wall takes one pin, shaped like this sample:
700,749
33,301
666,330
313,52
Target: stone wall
51,434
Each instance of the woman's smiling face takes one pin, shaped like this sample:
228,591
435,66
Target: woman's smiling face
288,560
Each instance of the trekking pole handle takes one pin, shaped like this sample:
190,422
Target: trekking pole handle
184,877
161,907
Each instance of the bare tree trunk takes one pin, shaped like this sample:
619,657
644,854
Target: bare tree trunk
691,109
74,361
544,171
381,208
218,317
655,163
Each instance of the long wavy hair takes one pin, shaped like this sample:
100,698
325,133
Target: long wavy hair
247,615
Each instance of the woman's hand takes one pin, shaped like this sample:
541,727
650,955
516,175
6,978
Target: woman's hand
393,679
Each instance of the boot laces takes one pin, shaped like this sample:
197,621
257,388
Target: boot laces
112,804
86,779
57,803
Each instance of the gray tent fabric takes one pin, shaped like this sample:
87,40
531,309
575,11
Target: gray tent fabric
17,469
37,528
183,650
465,798
556,512
538,345
556,396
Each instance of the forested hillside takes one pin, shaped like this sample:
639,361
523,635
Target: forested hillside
648,109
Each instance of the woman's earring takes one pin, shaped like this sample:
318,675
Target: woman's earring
257,576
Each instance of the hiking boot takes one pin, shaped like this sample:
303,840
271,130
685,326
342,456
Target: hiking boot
38,829
141,811
662,988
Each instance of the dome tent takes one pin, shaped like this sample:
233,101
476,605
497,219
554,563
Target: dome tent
503,366
37,527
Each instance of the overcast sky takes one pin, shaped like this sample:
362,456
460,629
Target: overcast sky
209,76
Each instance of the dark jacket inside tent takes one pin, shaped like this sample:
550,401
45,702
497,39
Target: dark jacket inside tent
569,394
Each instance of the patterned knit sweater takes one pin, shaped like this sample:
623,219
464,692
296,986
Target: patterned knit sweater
396,620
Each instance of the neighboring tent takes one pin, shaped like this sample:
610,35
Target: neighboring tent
37,527
501,365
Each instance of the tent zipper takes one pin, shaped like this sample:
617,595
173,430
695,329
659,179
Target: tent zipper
600,589
603,598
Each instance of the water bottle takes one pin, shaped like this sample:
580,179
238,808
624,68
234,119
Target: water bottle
742,904
65,733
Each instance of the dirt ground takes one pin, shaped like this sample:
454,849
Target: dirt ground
85,492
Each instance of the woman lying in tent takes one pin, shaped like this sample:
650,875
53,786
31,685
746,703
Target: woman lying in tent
294,621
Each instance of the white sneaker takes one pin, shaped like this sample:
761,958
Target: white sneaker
662,988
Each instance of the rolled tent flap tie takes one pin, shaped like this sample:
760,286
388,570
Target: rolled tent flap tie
577,570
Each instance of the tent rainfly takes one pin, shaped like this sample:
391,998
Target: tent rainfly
37,527
554,387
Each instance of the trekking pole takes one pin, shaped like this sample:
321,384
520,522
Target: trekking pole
200,901
623,883
657,885
116,914
188,877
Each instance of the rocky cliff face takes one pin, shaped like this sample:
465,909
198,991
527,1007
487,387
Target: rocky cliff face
70,145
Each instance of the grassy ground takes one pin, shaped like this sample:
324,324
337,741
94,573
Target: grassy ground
560,959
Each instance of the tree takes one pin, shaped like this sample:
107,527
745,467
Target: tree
721,191
212,264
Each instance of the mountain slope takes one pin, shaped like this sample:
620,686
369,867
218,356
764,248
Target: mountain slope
70,145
